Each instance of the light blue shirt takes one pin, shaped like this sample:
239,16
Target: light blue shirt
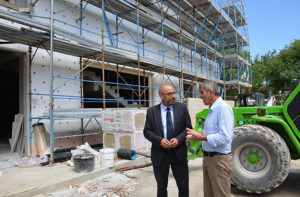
218,127
163,110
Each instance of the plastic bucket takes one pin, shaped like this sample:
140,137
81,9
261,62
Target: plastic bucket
84,162
126,154
107,157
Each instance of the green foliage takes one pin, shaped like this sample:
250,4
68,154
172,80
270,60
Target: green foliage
278,72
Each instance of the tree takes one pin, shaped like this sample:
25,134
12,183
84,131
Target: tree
278,72
260,77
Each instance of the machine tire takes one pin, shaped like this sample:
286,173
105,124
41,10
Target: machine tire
261,159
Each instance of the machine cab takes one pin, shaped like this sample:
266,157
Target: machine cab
250,100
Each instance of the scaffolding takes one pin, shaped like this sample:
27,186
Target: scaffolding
213,33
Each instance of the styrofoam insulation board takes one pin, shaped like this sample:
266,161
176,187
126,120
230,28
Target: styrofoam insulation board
124,120
92,23
125,140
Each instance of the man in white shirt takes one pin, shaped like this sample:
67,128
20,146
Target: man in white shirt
216,140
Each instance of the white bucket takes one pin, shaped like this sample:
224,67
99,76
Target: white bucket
107,157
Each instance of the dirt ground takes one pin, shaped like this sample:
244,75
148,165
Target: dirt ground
141,182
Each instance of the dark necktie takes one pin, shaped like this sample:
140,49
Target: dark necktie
169,125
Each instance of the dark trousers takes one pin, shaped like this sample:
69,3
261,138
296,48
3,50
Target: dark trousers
180,171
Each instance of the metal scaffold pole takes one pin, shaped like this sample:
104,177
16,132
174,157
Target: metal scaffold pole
144,92
103,70
51,104
30,97
138,51
163,45
118,90
182,87
81,83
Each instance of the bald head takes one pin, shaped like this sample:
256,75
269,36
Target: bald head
167,94
163,87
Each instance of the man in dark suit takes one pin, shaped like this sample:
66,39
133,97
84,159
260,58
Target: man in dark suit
165,127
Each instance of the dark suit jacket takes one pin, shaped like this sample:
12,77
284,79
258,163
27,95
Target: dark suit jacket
153,131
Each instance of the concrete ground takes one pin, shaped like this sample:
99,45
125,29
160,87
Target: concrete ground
17,181
61,180
289,188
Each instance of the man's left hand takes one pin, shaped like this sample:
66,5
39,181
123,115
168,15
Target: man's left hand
174,142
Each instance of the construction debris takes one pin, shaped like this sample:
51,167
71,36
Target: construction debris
8,160
105,186
134,167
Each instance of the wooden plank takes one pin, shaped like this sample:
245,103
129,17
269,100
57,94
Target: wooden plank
14,137
11,4
19,141
10,142
23,140
14,125
13,131
17,131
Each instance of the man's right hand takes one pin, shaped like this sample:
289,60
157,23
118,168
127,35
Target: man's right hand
195,136
165,143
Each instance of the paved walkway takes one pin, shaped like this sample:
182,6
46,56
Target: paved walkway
36,180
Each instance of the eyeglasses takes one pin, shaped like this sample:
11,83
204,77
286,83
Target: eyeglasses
170,93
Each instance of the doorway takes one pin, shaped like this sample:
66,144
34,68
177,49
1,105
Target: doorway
9,88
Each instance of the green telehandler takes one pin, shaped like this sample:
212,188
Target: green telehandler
266,138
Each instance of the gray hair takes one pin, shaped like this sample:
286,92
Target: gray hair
211,85
160,90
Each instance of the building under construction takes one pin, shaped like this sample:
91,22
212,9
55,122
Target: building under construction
76,57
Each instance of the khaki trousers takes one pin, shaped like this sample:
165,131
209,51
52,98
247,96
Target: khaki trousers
216,175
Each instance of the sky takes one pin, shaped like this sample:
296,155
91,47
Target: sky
272,24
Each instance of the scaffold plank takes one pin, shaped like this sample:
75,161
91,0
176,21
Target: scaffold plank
148,17
112,54
234,59
235,14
